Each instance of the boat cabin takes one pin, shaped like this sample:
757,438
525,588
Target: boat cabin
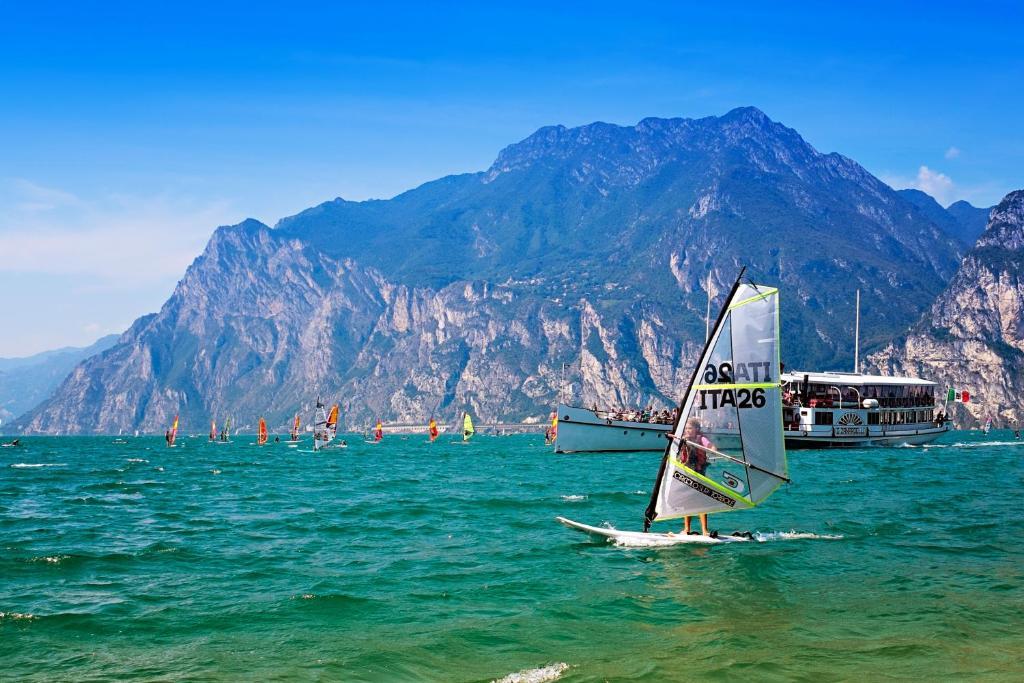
857,406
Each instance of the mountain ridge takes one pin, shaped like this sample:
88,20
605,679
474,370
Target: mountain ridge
473,290
972,336
25,382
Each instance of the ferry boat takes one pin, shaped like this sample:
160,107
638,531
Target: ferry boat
820,410
852,410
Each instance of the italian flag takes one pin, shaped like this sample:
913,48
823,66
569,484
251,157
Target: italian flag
958,396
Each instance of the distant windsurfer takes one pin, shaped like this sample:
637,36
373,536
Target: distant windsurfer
697,460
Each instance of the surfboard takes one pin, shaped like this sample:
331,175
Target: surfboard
641,539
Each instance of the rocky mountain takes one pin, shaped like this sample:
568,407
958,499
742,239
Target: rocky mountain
588,246
972,337
961,220
25,382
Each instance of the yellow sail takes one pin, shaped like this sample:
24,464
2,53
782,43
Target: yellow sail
467,427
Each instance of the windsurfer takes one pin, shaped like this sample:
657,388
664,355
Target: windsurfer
697,460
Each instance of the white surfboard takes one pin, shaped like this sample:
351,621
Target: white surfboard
640,539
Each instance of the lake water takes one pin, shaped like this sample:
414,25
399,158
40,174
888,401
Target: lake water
411,561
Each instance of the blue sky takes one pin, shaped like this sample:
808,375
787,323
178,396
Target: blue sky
128,133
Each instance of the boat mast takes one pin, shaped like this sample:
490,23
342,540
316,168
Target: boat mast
707,314
561,386
856,338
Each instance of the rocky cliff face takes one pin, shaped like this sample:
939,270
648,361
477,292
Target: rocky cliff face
972,337
261,324
588,247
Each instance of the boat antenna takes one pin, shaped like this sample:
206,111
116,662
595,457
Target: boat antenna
856,338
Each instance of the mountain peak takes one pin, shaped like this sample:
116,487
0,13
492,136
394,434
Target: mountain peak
1006,224
614,154
749,114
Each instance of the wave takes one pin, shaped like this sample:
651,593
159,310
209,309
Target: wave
38,464
551,672
333,599
17,616
573,498
972,444
766,536
660,541
137,460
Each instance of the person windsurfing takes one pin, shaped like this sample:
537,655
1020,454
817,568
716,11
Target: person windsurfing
696,458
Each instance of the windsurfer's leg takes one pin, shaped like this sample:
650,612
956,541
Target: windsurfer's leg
704,524
686,524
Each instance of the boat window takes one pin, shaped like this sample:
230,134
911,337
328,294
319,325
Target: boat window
823,417
873,418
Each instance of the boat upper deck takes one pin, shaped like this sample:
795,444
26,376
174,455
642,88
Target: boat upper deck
856,390
854,379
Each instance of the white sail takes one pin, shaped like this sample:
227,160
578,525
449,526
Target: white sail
321,435
733,455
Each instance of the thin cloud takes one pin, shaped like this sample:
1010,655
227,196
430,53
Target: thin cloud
117,239
36,198
952,153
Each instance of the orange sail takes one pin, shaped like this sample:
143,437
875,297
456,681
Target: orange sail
295,428
379,433
172,433
433,429
332,421
262,438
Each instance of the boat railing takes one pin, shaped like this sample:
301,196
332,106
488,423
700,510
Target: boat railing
629,416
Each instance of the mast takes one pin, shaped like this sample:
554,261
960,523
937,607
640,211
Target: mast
650,512
856,338
707,315
561,386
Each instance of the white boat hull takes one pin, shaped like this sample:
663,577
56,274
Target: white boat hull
582,430
871,437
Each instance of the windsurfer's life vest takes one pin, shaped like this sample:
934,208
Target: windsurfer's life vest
697,458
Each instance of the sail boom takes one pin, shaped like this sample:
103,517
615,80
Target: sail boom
734,459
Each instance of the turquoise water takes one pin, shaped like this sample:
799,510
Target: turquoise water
406,561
